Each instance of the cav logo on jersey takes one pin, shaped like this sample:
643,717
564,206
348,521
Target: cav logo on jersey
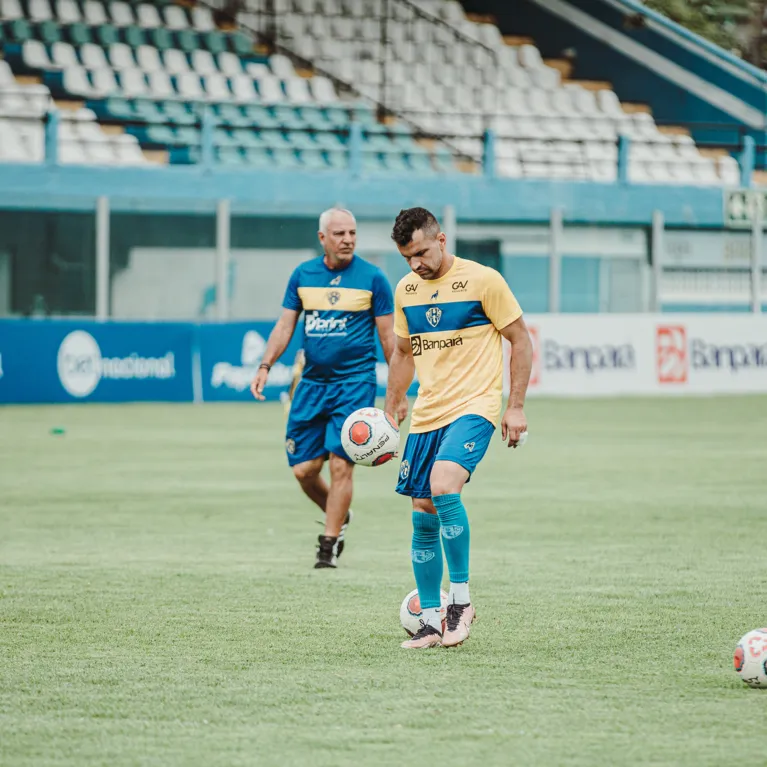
404,469
420,556
433,316
334,297
336,280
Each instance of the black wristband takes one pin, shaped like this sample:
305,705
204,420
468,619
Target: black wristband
264,365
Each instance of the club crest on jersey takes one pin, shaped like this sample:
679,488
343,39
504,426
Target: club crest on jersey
336,280
334,296
469,446
434,315
404,469
420,556
434,296
451,531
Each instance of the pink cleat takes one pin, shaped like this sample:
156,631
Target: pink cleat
427,636
459,620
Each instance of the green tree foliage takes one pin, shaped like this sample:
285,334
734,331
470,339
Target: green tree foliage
735,25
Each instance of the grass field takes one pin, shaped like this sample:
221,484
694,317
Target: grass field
158,604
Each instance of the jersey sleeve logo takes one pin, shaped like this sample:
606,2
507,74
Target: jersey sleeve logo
334,296
434,315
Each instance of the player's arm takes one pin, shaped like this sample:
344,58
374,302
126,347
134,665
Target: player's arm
514,421
278,341
401,372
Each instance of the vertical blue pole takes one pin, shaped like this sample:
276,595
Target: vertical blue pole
624,145
52,137
355,149
488,156
747,161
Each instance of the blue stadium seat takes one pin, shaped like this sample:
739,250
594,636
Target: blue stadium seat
257,157
285,158
313,159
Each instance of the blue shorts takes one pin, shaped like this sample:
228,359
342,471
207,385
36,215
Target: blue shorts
465,442
318,412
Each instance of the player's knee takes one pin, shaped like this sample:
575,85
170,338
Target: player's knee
424,504
444,481
306,472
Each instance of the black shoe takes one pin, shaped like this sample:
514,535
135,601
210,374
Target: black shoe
342,534
326,552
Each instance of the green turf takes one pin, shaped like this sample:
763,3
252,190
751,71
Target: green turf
158,606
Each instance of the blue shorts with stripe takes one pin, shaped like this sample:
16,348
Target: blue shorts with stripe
318,412
465,442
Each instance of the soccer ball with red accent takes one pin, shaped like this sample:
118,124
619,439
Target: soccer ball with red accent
370,437
750,658
410,612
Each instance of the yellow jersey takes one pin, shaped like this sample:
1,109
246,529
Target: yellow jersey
453,324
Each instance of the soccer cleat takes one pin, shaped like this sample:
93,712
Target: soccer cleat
427,636
342,534
458,624
327,555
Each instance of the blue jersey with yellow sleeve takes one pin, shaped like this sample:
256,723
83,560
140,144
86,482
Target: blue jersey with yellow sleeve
453,325
340,307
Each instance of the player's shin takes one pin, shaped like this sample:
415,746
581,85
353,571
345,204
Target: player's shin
456,539
426,554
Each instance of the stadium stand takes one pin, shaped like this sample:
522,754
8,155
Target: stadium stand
152,73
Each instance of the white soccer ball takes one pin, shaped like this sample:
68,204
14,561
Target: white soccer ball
410,612
370,437
750,658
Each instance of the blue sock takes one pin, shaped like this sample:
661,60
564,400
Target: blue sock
456,535
427,558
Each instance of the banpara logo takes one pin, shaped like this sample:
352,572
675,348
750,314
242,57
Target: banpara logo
671,354
81,365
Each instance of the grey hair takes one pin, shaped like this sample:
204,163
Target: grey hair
325,217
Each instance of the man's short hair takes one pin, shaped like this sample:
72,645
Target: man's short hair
410,221
326,215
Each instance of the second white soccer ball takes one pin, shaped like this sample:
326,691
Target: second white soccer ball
750,658
410,612
370,437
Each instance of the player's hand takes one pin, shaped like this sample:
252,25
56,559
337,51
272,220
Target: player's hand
513,424
402,410
258,383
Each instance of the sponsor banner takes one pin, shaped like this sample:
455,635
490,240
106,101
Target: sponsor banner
231,353
609,355
229,358
62,361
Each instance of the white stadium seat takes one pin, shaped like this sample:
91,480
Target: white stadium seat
175,18
94,13
148,16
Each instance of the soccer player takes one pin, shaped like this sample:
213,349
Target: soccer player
449,318
344,300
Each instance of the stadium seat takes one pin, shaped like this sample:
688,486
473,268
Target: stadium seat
67,12
11,10
94,13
